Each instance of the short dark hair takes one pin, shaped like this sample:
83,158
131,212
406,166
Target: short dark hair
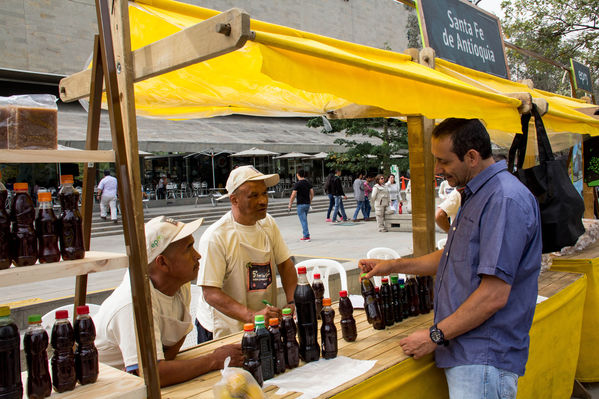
466,134
106,172
301,173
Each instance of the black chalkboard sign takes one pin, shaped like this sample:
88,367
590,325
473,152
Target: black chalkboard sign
582,76
463,34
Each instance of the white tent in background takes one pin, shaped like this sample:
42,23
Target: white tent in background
294,156
322,156
253,153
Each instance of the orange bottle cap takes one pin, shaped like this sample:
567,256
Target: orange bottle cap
21,186
248,327
326,302
273,322
44,197
66,179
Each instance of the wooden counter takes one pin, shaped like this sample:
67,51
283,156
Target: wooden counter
371,344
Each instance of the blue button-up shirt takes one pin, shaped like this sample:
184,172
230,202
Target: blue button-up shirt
497,232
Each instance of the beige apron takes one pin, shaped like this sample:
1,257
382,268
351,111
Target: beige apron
173,329
255,276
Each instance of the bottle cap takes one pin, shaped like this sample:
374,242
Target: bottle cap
316,275
62,314
248,327
84,309
287,311
301,270
343,294
401,281
66,179
44,197
4,311
394,279
259,318
376,289
326,301
385,280
34,319
273,322
20,186
363,275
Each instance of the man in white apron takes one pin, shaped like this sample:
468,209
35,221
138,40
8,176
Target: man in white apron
240,252
172,264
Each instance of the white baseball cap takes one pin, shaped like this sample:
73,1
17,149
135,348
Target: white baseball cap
162,231
240,175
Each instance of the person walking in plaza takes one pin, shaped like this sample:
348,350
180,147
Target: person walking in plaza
368,184
240,252
487,276
393,192
380,200
303,191
107,190
359,196
339,195
328,190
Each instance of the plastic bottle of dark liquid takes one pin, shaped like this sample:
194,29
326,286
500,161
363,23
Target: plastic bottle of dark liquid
46,228
306,318
22,216
395,301
289,331
387,302
404,299
277,345
424,297
63,361
5,260
266,351
348,323
86,354
71,228
371,307
328,331
251,353
11,386
35,344
412,287
318,288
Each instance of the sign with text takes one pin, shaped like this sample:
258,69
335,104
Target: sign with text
463,34
582,76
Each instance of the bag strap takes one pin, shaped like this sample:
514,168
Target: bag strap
517,151
545,152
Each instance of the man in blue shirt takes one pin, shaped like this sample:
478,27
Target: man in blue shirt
486,276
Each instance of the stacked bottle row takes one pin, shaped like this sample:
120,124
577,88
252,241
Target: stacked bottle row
391,303
26,238
68,366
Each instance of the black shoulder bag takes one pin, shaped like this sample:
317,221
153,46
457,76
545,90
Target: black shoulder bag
561,205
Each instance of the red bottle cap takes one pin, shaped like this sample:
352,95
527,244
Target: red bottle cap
376,289
273,322
343,294
301,270
66,179
84,309
20,186
248,327
62,314
316,275
326,301
385,280
44,197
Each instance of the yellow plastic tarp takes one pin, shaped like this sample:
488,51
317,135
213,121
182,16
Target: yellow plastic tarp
285,72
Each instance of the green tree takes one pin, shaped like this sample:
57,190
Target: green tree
558,30
383,137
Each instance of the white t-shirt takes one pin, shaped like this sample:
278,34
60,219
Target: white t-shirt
224,265
108,185
451,204
115,324
393,190
445,189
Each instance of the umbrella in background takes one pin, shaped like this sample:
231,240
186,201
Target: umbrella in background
253,153
211,153
294,156
322,156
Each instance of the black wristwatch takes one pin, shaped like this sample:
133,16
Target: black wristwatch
437,336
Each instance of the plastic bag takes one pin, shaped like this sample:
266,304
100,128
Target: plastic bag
28,122
237,383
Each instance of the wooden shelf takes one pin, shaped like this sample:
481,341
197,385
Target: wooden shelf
111,383
55,156
93,262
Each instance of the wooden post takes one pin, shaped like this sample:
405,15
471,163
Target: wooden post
89,171
113,26
422,173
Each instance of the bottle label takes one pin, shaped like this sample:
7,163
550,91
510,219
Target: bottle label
259,276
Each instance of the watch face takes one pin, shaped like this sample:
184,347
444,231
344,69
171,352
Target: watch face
436,336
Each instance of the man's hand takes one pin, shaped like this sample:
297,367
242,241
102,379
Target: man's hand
220,354
269,312
418,344
376,267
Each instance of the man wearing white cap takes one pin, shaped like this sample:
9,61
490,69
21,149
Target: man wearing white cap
240,251
172,264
